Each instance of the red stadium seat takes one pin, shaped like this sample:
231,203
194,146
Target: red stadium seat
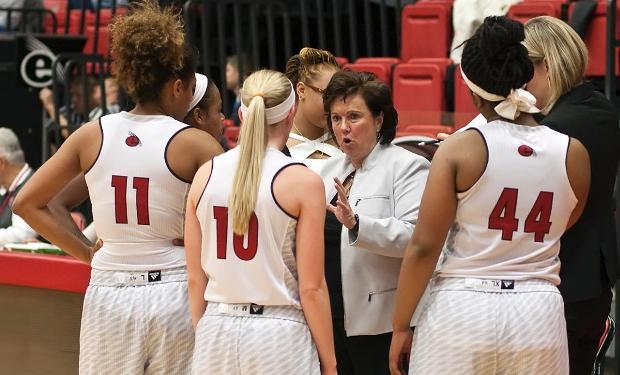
342,61
441,62
419,95
103,43
389,62
59,8
596,41
426,30
231,134
524,11
227,122
430,131
380,70
464,108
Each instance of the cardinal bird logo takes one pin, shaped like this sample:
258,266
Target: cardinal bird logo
525,150
133,140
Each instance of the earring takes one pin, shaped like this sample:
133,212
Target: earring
549,81
302,98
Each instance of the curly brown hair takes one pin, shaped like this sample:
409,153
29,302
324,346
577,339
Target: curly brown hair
149,49
307,64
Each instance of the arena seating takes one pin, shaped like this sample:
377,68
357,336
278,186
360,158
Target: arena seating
420,79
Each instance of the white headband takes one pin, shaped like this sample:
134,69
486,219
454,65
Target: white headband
277,113
201,87
512,105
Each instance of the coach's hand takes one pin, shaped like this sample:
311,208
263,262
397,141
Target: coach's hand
400,350
342,209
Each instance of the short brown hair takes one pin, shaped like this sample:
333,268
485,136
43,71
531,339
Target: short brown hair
149,49
376,94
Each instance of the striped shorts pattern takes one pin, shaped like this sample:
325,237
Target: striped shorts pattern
134,326
485,327
254,340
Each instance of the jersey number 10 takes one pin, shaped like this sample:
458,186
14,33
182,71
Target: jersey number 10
244,253
141,185
537,221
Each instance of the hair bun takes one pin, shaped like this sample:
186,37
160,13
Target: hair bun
501,36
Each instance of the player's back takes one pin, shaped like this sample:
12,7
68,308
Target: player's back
138,202
258,267
509,223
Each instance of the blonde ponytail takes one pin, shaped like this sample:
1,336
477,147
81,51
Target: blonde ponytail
262,89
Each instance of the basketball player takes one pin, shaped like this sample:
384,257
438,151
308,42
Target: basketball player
254,246
309,142
504,192
138,166
205,113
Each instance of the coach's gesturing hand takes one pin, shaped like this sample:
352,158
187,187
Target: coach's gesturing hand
342,209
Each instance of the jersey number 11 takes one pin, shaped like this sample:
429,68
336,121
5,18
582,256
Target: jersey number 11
141,185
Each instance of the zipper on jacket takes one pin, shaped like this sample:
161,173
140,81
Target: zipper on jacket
358,200
379,292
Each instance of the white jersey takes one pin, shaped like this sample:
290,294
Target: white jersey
307,147
509,223
138,202
258,267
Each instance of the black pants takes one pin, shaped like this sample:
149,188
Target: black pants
361,355
585,323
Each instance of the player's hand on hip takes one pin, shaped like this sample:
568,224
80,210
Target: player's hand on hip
400,350
95,248
342,209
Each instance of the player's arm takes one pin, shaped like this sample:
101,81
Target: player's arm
70,197
197,279
437,212
75,155
578,169
189,150
308,204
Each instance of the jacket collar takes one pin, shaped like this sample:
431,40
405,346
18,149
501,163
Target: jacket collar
340,166
576,94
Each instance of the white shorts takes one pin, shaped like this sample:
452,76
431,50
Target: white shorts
244,339
136,323
475,326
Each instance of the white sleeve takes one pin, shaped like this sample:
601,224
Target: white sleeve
19,231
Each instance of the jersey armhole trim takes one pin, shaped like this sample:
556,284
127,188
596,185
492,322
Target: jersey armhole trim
166,155
273,195
486,164
207,183
100,148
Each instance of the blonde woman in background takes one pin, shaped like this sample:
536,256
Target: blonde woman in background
573,107
258,295
309,141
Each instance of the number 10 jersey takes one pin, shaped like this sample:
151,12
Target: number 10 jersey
257,267
138,202
509,223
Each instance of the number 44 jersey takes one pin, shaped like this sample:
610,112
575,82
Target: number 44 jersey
509,223
138,202
256,267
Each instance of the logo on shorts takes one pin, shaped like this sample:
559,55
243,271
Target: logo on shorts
508,284
132,140
256,309
154,276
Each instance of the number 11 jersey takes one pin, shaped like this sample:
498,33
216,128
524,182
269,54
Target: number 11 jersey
257,267
138,202
509,223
